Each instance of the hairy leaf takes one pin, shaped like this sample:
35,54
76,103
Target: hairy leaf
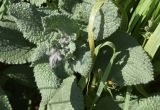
21,73
132,66
4,102
61,23
83,64
64,69
47,82
8,22
132,104
83,61
67,4
14,49
40,52
151,103
29,22
38,2
80,62
67,97
82,10
107,19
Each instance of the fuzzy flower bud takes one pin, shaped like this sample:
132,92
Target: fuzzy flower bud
55,57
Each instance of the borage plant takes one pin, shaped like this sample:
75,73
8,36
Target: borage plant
80,53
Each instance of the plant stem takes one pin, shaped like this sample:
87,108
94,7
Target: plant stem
127,99
93,13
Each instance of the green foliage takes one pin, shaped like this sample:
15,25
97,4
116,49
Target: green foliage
3,8
67,5
107,103
4,102
38,2
28,20
39,52
156,66
141,14
8,22
46,43
153,43
47,82
60,23
22,74
83,62
68,96
80,62
14,49
132,66
65,30
107,19
151,103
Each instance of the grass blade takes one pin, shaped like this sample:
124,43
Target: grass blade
139,13
107,70
153,43
94,11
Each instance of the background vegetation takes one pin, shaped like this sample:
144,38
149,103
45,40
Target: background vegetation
79,54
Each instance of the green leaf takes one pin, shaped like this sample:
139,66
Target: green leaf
64,42
64,69
151,103
132,66
8,22
4,102
3,8
153,43
48,53
40,52
61,23
107,103
81,11
14,49
83,62
127,98
47,82
29,22
80,62
132,103
22,74
107,19
38,2
68,96
143,10
67,4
